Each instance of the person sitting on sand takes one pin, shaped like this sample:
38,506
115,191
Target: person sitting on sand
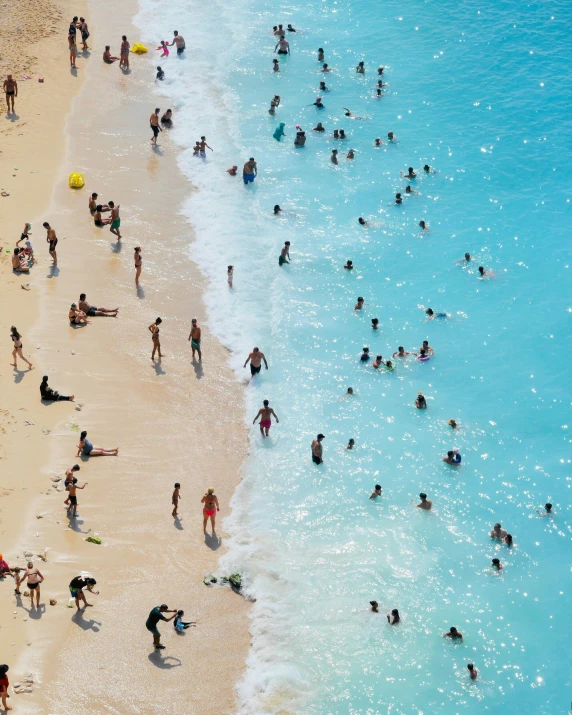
19,262
77,316
92,203
86,448
51,395
167,118
108,58
232,171
5,570
97,219
92,310
179,625
211,506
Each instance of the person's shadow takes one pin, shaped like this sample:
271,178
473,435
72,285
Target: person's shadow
86,624
74,524
157,149
12,116
177,523
166,662
213,541
198,368
140,292
77,326
73,71
126,70
158,368
116,247
35,613
85,53
19,374
54,272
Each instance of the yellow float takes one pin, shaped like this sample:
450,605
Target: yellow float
138,49
76,180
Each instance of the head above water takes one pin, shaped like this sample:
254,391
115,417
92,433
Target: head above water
350,391
375,322
360,299
320,437
453,423
548,507
361,220
423,496
378,487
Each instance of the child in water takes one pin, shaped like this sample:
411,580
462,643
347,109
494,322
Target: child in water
165,49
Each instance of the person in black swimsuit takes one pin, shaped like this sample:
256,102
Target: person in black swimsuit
52,239
51,395
11,91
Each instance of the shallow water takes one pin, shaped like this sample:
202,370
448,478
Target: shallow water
479,92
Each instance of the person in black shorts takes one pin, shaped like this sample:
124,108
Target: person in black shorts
317,449
256,357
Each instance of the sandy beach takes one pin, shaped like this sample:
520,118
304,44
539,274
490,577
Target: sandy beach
173,421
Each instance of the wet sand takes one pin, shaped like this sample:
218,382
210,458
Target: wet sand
173,421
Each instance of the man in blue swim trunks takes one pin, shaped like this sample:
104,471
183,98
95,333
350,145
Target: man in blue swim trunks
249,171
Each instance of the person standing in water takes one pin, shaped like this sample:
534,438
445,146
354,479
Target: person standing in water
178,40
195,339
425,503
229,275
210,509
155,126
154,330
284,46
255,358
317,449
284,254
52,239
473,672
138,263
124,53
265,413
249,171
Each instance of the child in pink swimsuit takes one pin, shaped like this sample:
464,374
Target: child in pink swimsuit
165,49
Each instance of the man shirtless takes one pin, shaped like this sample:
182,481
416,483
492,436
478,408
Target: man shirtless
317,449
178,40
155,126
52,239
256,357
108,57
115,220
92,310
284,46
425,503
124,53
195,338
11,91
249,171
72,486
203,146
265,413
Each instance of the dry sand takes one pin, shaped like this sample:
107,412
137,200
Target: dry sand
172,422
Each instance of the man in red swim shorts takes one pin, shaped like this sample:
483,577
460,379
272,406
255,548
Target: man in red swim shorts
265,413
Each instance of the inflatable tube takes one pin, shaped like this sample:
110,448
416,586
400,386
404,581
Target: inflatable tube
138,49
76,180
424,359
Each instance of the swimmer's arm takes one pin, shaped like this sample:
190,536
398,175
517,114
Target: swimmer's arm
257,416
275,415
247,361
276,46
264,358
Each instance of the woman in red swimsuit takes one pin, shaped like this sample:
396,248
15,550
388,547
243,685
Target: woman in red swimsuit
210,508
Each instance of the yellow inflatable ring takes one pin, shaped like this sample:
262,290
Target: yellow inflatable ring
76,180
138,49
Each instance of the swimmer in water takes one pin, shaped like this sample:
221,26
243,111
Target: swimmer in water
498,532
290,28
318,103
391,137
431,315
423,226
380,71
362,221
325,68
360,69
350,391
360,303
398,199
374,323
547,510
410,173
334,157
232,171
374,606
485,274
377,363
420,401
275,65
378,94
320,54
350,154
401,353
453,424
453,634
376,492
496,564
466,259
349,266
351,444
323,87
365,355
473,672
427,348
318,128
409,190
393,619
427,169
277,210
425,503
350,115
342,134
453,458
508,540
336,134
389,365
377,142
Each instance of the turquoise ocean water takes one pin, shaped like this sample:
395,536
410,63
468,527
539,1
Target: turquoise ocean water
479,91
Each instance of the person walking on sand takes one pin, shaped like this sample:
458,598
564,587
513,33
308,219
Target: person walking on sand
115,220
52,239
138,263
155,126
33,579
154,330
317,449
89,450
265,413
11,91
210,509
178,40
175,499
153,619
249,171
195,338
255,358
4,683
77,585
17,351
72,486
124,53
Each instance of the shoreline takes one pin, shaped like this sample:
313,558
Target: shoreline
115,381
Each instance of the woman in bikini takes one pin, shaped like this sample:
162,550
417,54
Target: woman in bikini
210,509
33,580
84,33
77,316
17,352
89,450
154,329
73,49
138,263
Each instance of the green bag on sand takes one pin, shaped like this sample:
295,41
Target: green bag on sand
93,539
